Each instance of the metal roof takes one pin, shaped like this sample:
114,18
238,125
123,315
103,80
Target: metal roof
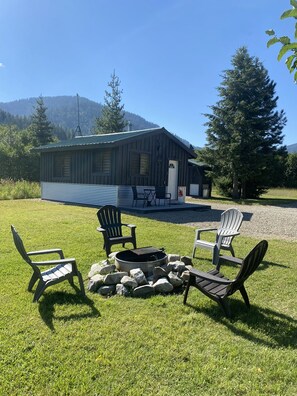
107,139
197,163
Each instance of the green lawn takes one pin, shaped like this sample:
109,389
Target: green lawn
67,345
274,196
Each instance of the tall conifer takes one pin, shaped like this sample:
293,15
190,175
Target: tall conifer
244,131
40,127
112,117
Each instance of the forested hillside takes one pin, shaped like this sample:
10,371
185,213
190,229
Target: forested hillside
9,119
292,148
62,111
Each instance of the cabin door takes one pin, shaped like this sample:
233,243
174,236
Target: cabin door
173,178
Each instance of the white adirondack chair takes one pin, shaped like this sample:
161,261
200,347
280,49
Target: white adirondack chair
229,227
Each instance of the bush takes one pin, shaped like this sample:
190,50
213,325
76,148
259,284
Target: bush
20,189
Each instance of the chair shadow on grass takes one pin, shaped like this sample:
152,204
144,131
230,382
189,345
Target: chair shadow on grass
262,326
49,302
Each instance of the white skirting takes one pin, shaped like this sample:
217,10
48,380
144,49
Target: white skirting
89,194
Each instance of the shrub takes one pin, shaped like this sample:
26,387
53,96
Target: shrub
20,189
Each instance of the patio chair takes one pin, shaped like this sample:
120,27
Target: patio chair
137,196
161,194
109,218
218,287
229,227
61,269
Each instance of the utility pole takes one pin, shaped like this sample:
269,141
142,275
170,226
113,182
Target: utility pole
78,130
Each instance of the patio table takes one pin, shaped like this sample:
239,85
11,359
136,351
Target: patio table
150,194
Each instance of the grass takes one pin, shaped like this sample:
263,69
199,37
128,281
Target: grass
20,189
274,197
67,345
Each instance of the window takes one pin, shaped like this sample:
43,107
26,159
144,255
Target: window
139,163
62,165
102,162
144,164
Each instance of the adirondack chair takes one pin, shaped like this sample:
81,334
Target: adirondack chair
61,269
161,194
218,287
109,218
231,221
137,196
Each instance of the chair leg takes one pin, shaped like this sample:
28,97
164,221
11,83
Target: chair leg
232,250
216,255
194,251
33,280
70,280
187,290
81,283
245,296
107,249
39,290
225,306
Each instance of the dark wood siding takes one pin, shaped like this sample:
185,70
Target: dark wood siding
159,148
197,175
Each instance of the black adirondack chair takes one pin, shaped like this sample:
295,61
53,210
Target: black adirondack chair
109,217
61,269
162,195
137,196
217,287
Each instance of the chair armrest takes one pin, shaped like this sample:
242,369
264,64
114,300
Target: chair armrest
47,251
200,230
55,262
130,225
210,277
225,232
100,229
142,195
231,259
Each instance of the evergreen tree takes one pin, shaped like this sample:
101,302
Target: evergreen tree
17,161
40,127
112,117
291,171
244,131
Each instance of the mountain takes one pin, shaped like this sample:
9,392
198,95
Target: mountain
9,119
63,112
292,148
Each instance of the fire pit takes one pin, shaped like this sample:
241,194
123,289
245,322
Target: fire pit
144,258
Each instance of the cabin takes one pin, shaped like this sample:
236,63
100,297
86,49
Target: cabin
100,169
199,184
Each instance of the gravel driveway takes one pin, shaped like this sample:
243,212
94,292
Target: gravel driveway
269,222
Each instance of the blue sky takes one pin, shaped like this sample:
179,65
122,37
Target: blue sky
168,54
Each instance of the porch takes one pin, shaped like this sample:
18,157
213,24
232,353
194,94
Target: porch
173,207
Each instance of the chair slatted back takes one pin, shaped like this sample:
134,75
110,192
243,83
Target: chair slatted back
160,192
134,190
230,219
249,264
19,245
109,217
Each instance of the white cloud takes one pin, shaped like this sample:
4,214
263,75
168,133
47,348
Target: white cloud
1,65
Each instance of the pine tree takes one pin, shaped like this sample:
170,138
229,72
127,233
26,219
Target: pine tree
40,127
112,117
244,131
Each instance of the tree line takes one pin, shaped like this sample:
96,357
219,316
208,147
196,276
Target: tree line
20,135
